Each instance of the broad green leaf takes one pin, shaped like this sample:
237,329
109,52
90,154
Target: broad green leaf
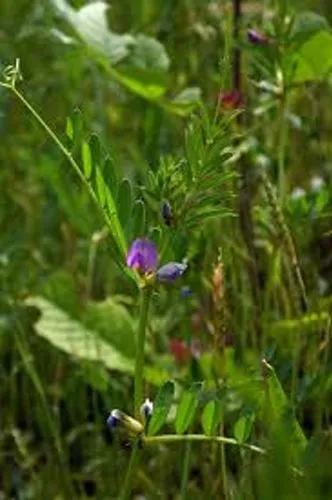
114,323
306,24
187,408
243,426
90,24
211,417
147,83
161,407
146,59
72,337
313,60
149,54
96,375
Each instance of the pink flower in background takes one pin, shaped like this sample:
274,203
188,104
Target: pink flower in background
231,99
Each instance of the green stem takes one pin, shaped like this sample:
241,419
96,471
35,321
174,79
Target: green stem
126,490
185,470
223,470
138,390
111,222
176,438
283,131
140,342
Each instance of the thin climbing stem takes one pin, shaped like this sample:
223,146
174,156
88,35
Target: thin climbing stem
111,221
178,438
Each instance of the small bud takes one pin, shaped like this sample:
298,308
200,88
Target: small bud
166,213
146,409
186,291
257,38
171,271
131,425
113,419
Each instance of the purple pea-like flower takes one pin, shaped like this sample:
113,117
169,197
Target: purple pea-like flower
142,256
171,271
257,38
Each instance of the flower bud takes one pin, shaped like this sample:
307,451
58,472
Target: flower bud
142,256
167,213
113,419
257,38
171,271
186,292
146,409
131,425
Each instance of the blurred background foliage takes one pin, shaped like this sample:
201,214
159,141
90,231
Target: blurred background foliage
61,289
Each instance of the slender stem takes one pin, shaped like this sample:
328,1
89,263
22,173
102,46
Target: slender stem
140,342
282,125
138,390
126,490
223,470
185,470
176,438
111,220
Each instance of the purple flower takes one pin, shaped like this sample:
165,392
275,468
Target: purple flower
142,256
257,38
171,271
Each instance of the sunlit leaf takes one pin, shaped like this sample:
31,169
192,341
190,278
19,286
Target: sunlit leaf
243,426
162,405
211,417
73,338
186,410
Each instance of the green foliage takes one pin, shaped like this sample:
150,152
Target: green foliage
243,427
313,59
161,408
249,190
279,417
198,186
71,336
186,409
211,417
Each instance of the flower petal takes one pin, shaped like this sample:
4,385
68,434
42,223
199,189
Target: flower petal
142,256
